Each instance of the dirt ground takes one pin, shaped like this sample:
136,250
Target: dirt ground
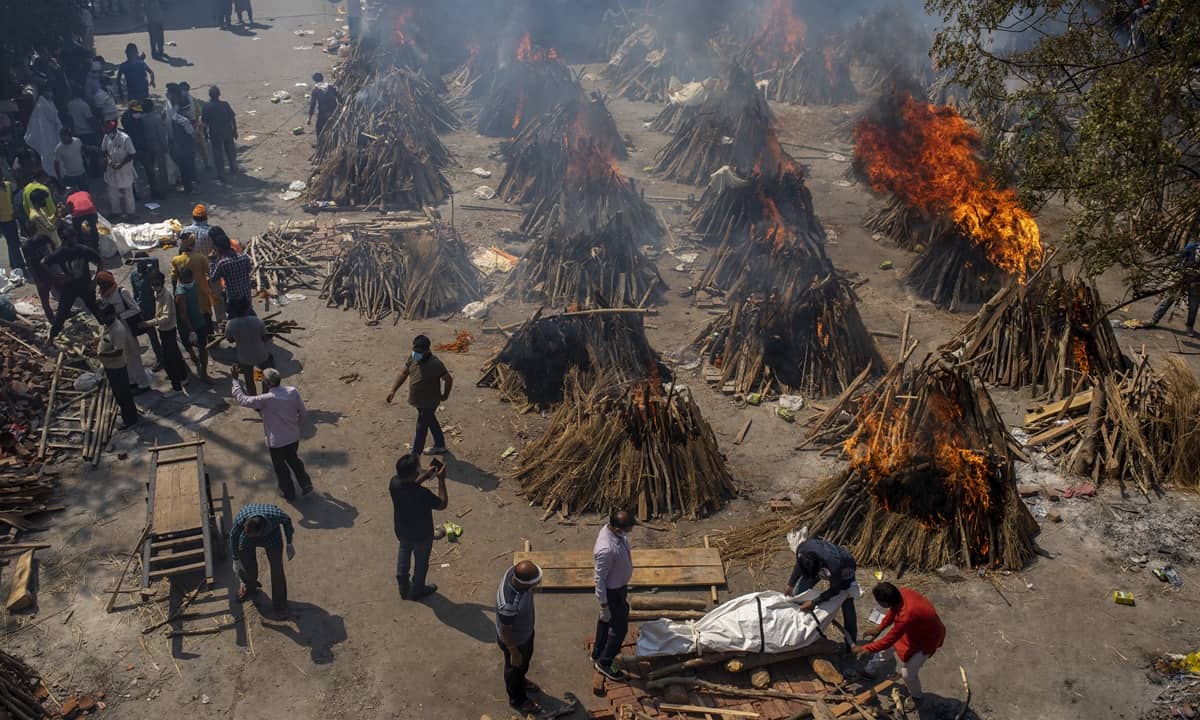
1047,642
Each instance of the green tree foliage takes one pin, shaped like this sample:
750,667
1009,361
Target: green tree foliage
1092,103
26,24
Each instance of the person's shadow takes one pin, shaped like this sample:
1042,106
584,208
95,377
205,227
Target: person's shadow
322,511
470,619
464,472
311,626
937,707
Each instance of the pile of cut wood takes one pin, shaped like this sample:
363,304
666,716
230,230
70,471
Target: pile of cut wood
1135,427
814,76
26,372
598,267
906,225
931,477
289,256
1050,333
532,367
643,67
523,88
382,148
733,126
618,445
407,267
20,688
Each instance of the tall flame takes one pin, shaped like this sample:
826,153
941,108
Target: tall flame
927,156
526,52
587,160
783,32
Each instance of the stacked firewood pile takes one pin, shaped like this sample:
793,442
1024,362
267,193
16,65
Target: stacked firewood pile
524,88
539,157
381,146
733,127
1136,427
26,372
973,231
598,267
1050,334
804,338
19,690
814,76
407,268
289,256
614,445
532,367
931,477
643,66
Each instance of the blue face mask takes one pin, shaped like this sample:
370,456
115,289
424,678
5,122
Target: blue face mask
416,356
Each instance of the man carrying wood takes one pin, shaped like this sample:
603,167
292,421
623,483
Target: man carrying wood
259,525
412,520
614,568
514,633
430,386
816,559
916,634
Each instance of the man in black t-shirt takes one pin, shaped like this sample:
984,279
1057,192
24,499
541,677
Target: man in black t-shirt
412,516
220,122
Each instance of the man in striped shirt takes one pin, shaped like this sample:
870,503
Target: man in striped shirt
259,525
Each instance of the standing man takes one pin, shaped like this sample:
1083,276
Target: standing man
514,633
232,270
220,124
614,568
152,153
139,78
74,260
426,391
412,519
165,323
141,282
259,525
194,324
816,559
83,120
113,341
917,633
41,221
1188,266
182,146
154,23
118,174
12,234
250,336
68,161
283,414
323,102
199,230
129,314
85,218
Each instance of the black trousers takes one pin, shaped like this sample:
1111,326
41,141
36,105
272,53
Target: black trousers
610,636
413,555
118,384
12,235
157,41
185,160
71,291
248,373
249,558
87,230
287,460
322,119
172,358
1192,291
514,675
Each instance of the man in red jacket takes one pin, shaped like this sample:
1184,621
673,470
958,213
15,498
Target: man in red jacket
916,634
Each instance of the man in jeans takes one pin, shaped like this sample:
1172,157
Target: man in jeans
259,525
283,414
425,393
514,633
412,519
614,568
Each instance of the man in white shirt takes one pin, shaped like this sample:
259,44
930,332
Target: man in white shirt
118,174
68,161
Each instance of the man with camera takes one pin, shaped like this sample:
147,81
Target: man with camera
412,518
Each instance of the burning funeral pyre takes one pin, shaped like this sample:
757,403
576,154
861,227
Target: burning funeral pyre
927,157
1050,334
645,65
799,72
523,88
403,267
733,126
791,321
931,479
381,146
539,158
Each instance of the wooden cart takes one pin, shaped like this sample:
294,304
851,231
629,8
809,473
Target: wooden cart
183,534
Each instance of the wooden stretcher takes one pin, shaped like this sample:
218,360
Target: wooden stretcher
183,536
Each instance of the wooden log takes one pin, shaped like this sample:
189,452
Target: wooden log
656,602
20,596
702,710
648,615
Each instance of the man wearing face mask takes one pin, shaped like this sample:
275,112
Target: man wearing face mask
614,568
430,386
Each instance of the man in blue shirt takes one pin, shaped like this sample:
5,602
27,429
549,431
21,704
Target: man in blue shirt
259,525
139,78
1189,284
817,559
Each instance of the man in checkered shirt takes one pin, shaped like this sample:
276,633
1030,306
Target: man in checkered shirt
259,525
231,267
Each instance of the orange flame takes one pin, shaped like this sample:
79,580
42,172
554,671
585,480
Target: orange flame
929,159
527,53
587,160
398,27
783,33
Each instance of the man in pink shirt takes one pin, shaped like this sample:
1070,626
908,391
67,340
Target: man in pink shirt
283,414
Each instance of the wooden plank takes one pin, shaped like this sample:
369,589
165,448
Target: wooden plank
175,557
1055,431
742,433
672,557
585,578
712,589
863,697
1042,412
176,498
189,443
701,710
194,539
167,572
20,596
